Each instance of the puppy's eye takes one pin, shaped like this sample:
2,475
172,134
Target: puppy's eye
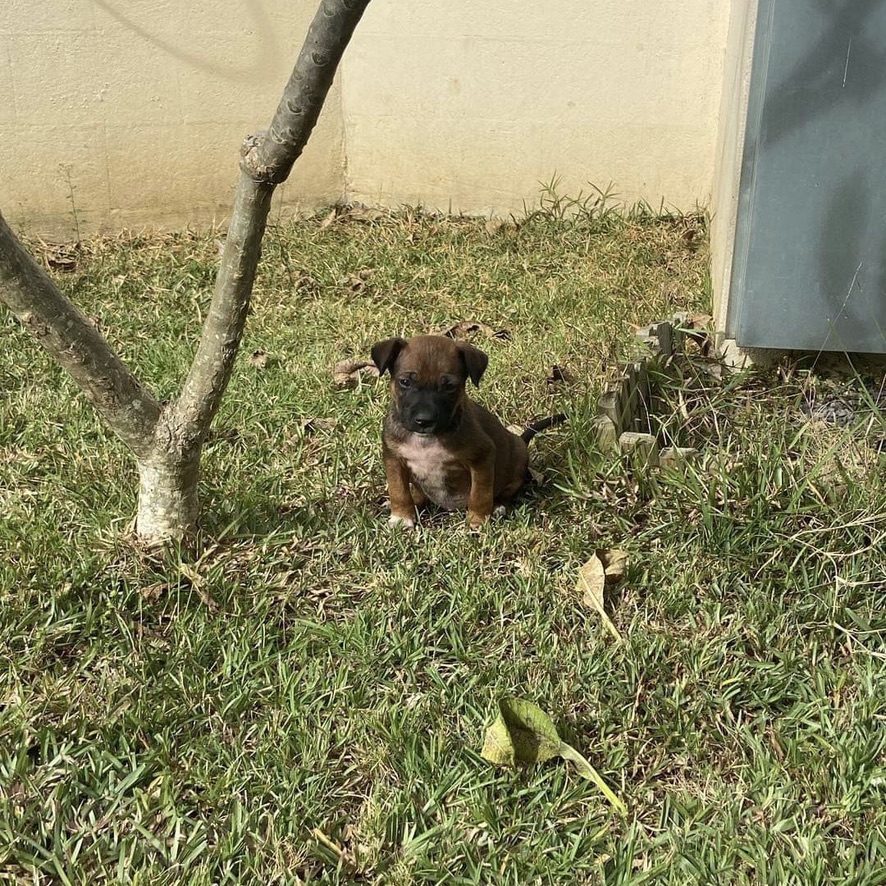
449,385
404,381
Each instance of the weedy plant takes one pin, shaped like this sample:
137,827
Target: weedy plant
307,700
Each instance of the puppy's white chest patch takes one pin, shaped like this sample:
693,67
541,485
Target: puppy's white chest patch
435,471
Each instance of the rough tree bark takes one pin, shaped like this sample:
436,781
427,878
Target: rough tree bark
167,440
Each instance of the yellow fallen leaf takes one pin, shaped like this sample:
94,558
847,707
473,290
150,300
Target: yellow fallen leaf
615,563
259,359
524,734
590,584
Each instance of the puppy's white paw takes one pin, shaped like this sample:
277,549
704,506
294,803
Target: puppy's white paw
405,522
499,511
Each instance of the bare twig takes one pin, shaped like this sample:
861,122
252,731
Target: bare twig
266,161
223,329
272,156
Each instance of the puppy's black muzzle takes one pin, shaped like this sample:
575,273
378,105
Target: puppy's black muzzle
426,412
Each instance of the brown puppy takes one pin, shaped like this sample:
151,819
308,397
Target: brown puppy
452,450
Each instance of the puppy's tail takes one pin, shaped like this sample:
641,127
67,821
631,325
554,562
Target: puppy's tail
536,427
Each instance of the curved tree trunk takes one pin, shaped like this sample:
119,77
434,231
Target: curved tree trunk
167,503
167,495
59,325
167,441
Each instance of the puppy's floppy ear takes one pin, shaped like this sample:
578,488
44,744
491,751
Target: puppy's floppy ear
385,353
475,361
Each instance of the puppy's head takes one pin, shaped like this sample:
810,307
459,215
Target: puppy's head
428,375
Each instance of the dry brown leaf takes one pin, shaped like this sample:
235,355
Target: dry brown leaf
61,262
358,212
259,359
691,238
196,582
60,257
505,226
347,373
357,282
615,564
466,328
560,375
354,283
307,284
313,425
696,329
699,320
154,591
591,583
713,368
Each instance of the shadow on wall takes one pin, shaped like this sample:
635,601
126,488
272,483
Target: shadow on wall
811,88
853,295
852,279
265,52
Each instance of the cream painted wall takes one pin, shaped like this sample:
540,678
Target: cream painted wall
471,105
137,108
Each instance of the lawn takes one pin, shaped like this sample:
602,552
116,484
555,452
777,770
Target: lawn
305,700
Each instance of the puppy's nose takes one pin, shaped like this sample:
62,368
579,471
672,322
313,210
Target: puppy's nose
424,422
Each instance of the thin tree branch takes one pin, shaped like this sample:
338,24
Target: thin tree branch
266,161
214,361
129,410
272,157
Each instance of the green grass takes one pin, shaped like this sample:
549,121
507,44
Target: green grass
306,702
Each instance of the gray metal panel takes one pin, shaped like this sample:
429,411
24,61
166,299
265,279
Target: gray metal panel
809,268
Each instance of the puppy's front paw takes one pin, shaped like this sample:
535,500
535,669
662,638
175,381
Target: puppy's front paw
403,520
476,521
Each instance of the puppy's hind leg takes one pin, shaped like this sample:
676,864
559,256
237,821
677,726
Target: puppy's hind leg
506,496
480,498
504,500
